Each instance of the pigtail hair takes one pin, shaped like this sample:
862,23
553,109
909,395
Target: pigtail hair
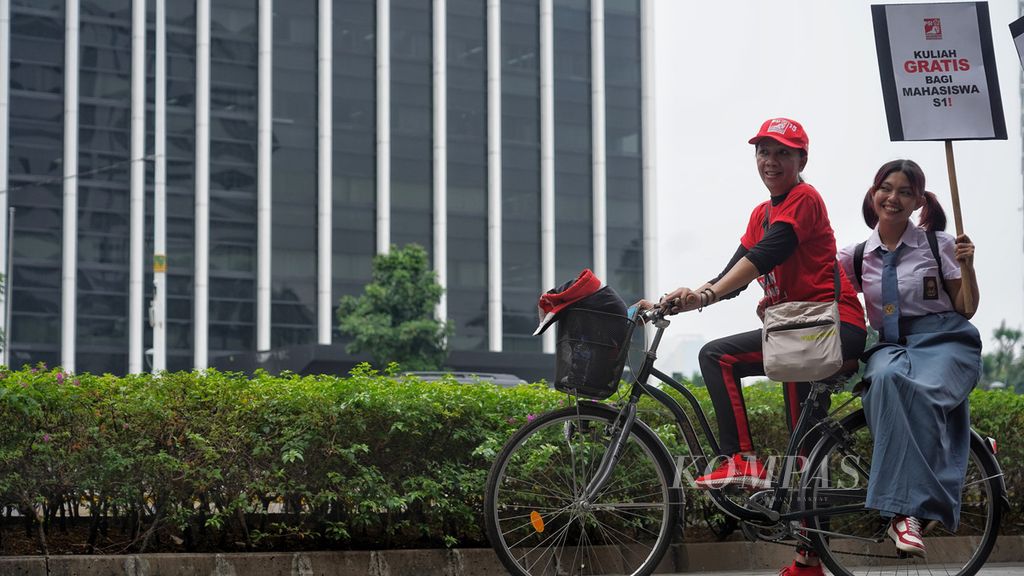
933,217
868,210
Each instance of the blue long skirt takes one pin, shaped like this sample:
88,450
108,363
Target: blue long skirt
919,415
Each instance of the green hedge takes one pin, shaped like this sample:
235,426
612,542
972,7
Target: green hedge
222,461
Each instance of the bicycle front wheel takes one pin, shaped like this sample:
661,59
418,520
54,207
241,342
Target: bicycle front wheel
537,518
854,543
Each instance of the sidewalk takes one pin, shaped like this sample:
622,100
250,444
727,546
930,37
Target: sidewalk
741,557
988,570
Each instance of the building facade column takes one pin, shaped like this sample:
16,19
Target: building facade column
648,125
547,155
494,309
5,117
264,158
440,155
383,126
201,319
598,141
137,194
325,168
69,263
159,311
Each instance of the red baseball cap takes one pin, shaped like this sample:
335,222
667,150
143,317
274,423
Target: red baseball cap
784,131
555,300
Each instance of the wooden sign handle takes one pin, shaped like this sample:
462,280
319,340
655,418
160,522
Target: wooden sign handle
966,280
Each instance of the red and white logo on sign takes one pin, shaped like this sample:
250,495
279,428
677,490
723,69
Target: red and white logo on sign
932,29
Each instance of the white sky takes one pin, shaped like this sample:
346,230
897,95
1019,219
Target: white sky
724,66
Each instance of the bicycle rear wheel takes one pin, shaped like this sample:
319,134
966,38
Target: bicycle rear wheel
857,544
537,520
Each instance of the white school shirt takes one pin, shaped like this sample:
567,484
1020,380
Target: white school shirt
916,271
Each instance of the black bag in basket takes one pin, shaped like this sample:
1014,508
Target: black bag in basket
591,351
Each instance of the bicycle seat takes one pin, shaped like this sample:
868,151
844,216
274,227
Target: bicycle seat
836,382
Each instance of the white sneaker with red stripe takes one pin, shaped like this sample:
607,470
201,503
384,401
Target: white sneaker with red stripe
905,531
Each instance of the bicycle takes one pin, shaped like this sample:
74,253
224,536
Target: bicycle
592,489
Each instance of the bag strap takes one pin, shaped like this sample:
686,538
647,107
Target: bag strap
933,243
858,264
835,263
835,277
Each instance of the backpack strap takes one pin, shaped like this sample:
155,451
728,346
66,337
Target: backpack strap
858,264
933,243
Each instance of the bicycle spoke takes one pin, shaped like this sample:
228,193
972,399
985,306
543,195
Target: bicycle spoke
528,526
594,559
617,493
559,544
553,539
618,486
549,483
540,495
981,481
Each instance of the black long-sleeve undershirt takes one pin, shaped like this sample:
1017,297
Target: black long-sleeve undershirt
778,243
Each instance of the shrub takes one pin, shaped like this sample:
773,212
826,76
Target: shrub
209,461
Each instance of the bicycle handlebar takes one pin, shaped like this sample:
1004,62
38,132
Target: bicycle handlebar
654,314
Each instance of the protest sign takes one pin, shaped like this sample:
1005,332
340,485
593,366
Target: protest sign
938,71
939,82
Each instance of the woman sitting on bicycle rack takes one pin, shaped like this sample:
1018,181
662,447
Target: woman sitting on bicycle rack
793,257
928,359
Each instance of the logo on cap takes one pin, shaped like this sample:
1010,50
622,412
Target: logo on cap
781,126
782,130
932,29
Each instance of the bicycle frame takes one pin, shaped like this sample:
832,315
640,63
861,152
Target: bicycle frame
556,503
781,490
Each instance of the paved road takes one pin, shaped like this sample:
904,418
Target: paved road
990,570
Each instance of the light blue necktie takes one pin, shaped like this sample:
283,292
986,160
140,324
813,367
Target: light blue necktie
890,296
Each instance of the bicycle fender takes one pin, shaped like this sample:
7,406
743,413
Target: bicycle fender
677,495
992,463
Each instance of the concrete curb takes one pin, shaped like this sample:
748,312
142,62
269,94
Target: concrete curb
697,557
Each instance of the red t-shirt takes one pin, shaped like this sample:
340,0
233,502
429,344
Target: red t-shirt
807,274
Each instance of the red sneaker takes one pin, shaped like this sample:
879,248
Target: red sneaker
736,471
798,570
905,531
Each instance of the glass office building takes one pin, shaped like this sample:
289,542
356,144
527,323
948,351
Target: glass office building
510,138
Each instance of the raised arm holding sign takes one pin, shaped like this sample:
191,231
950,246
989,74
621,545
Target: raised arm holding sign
939,80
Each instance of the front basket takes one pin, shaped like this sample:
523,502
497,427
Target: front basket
591,352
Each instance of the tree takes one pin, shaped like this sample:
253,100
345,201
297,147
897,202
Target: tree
394,319
1006,363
